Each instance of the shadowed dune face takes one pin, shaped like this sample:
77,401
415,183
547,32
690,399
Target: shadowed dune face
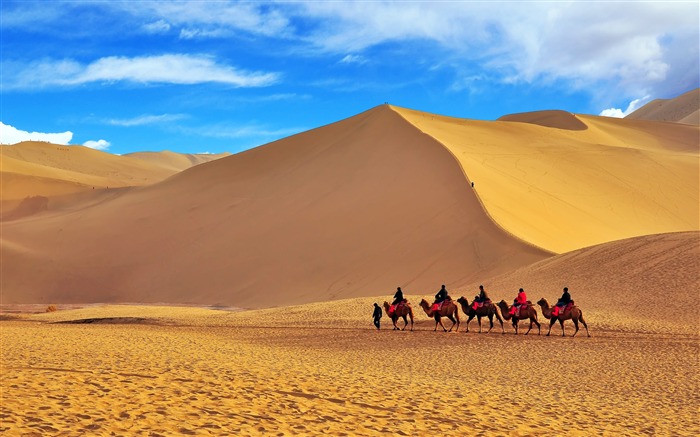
567,189
554,119
351,209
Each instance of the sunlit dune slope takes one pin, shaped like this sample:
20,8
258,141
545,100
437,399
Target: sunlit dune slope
45,169
351,209
564,189
644,284
176,161
555,119
681,109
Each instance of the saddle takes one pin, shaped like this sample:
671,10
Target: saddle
477,305
557,310
393,308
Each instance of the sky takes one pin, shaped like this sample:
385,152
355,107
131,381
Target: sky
226,76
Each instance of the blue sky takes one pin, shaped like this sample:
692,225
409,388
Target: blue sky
215,76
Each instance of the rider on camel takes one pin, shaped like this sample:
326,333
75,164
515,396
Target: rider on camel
481,298
518,302
441,295
563,301
398,296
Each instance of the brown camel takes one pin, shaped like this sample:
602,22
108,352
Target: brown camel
574,313
487,310
402,311
449,310
526,312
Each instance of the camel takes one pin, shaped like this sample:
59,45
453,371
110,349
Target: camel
488,310
401,311
526,312
449,310
574,314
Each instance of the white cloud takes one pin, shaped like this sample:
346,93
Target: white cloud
98,145
619,113
353,59
160,26
172,69
12,135
142,120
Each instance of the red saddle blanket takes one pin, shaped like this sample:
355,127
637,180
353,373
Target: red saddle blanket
476,305
557,310
436,307
393,308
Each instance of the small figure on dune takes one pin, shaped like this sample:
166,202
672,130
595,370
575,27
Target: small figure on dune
377,315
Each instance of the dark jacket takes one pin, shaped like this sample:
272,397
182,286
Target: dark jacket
377,312
441,295
398,297
565,299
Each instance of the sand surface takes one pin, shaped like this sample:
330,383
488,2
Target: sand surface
323,369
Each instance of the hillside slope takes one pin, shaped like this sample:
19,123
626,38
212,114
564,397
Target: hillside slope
351,209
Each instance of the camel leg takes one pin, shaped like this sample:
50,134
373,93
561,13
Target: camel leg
530,328
575,326
405,322
580,318
539,328
469,319
490,323
561,322
551,323
453,323
478,319
411,316
515,325
393,321
503,330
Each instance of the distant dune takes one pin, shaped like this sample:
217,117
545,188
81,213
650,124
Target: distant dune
554,119
358,207
37,169
682,109
176,161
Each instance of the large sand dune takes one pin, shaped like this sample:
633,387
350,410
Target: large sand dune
379,200
350,209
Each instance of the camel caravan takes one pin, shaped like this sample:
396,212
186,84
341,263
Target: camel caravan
483,306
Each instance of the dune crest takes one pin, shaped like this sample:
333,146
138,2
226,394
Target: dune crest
682,109
566,189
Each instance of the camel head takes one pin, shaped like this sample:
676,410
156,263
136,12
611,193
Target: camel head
503,304
543,303
386,305
424,303
463,300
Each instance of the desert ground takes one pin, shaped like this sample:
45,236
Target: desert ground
323,369
232,295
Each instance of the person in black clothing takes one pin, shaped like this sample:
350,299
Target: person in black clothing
563,301
482,297
565,298
398,296
441,295
377,315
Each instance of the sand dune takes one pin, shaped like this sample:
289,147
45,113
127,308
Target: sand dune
39,170
363,205
176,161
681,109
321,368
554,119
564,189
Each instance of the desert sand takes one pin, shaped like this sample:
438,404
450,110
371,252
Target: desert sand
234,297
322,368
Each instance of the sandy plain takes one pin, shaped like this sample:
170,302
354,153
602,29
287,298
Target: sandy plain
323,369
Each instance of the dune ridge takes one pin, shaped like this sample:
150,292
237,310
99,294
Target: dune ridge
563,189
